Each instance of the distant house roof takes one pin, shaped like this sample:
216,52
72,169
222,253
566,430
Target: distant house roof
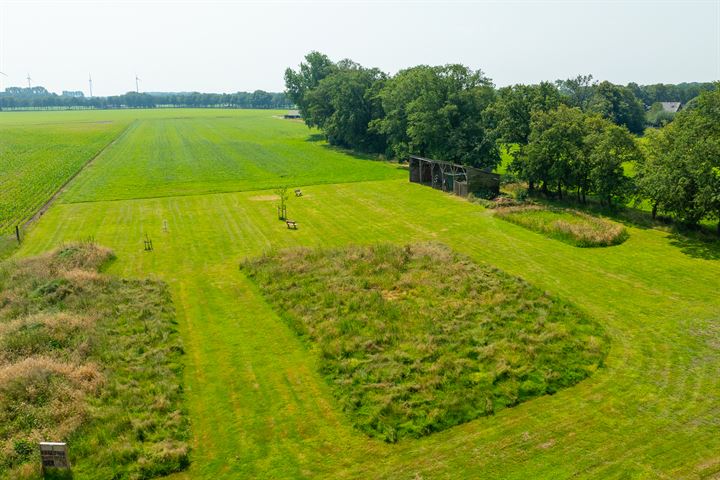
670,106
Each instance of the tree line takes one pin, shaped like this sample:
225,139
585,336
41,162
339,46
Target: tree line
571,137
39,97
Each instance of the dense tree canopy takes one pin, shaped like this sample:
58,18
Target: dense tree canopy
316,67
438,112
619,105
39,97
574,151
343,105
577,91
572,137
680,172
510,114
659,92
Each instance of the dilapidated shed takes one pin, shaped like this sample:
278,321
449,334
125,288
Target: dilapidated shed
452,177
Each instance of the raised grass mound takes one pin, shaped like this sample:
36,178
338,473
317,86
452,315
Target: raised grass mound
89,359
569,226
417,339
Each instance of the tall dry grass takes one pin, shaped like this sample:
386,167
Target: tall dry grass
88,358
571,226
416,339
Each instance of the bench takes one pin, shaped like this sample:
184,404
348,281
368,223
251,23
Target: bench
298,193
291,224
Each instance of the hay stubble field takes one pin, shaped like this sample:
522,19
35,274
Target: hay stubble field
258,406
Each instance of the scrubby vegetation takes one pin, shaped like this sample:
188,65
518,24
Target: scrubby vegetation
89,359
417,339
570,226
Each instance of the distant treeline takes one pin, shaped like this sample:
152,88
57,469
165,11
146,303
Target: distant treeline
40,98
569,137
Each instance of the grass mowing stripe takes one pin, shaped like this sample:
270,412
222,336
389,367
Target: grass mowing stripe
248,150
619,423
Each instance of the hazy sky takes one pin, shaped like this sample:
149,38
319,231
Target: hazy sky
227,46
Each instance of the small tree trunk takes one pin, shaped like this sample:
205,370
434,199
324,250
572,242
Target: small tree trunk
654,211
531,186
560,190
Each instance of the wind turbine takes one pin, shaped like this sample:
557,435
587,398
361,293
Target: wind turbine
3,74
90,83
29,79
137,85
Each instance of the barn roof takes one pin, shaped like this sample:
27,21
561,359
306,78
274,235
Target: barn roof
670,106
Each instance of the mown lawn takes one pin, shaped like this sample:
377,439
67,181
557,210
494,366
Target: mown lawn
260,409
185,153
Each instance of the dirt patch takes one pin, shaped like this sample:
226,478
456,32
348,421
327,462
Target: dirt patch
264,198
392,294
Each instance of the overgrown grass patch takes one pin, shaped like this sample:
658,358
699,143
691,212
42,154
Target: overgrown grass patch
92,360
570,226
417,339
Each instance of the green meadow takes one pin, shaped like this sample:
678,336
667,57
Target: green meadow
199,183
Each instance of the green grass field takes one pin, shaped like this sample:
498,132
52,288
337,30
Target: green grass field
258,406
217,151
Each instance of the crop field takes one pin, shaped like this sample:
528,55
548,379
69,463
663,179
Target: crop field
259,404
37,159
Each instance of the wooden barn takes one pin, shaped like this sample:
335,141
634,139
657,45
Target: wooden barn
452,177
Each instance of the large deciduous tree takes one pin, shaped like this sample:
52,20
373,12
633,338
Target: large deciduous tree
345,102
618,104
608,148
297,83
577,91
569,150
555,149
680,174
511,113
438,112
